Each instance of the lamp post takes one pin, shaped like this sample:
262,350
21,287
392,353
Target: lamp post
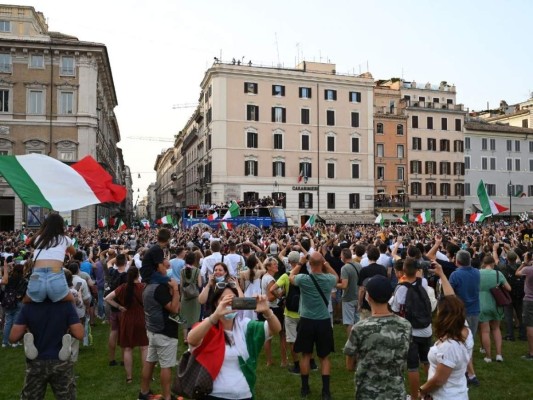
510,201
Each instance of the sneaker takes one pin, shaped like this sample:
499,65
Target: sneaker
75,350
4,345
482,350
295,370
29,347
305,392
487,360
527,357
499,358
177,319
472,381
66,348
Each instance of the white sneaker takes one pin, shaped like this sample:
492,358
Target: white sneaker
499,358
75,350
487,360
29,347
66,348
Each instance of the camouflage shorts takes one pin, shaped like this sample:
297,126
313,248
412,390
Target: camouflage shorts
40,373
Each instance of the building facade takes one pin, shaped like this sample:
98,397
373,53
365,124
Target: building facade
57,98
501,156
165,190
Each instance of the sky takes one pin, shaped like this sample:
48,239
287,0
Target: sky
160,49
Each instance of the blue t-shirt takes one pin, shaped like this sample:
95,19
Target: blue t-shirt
465,282
48,322
86,267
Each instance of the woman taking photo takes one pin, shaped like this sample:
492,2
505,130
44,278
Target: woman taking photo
491,314
190,307
239,341
132,329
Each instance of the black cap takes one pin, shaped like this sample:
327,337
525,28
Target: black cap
379,289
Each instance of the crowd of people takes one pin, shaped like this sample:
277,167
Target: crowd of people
410,297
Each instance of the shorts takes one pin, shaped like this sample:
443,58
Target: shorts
338,297
114,320
527,313
314,331
45,283
291,328
162,349
350,316
418,352
473,322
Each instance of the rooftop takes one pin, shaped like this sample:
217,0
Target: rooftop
486,127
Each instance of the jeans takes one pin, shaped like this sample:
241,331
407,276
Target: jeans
101,305
509,323
45,283
10,316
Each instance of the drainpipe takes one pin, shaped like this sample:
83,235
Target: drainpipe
50,128
318,147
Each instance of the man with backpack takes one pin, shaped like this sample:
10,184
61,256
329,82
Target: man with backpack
411,301
350,286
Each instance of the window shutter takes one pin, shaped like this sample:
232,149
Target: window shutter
300,200
255,167
283,169
257,113
274,168
245,87
325,94
300,92
283,90
248,113
284,115
358,97
273,114
310,200
309,91
246,168
273,90
334,95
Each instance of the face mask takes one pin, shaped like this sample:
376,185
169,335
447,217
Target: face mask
230,315
219,278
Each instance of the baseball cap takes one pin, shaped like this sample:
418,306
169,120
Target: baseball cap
379,288
293,257
273,249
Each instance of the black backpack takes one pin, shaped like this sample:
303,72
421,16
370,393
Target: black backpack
115,280
292,299
417,305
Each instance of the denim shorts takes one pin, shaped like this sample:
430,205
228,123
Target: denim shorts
45,283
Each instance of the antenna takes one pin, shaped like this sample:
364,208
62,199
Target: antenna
277,48
297,53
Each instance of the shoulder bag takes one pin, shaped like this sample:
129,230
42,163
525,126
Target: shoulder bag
501,296
190,288
326,302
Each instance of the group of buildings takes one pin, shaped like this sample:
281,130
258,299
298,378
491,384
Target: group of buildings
345,147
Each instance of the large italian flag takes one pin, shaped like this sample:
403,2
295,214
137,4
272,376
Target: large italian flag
44,181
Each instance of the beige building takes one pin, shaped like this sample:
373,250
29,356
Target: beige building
57,98
165,189
257,129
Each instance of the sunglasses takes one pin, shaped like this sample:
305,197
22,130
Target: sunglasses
224,285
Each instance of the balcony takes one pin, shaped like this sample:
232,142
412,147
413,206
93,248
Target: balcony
388,110
434,106
395,201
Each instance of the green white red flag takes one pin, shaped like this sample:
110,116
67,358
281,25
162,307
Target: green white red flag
424,217
233,211
102,222
488,206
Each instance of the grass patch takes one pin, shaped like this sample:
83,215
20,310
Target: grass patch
507,380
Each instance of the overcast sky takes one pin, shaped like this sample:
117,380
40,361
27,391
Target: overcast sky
160,49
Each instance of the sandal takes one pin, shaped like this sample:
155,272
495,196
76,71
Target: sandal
129,380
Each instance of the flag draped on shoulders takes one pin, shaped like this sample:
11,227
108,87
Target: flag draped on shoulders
47,182
488,206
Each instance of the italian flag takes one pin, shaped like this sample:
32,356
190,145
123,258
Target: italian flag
301,176
310,222
424,217
233,211
23,237
167,219
44,181
212,217
488,206
102,222
190,214
478,217
380,220
145,223
227,226
121,226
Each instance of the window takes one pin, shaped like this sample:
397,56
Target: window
467,189
305,142
250,168
380,149
66,103
414,121
278,90
251,140
4,100
458,168
380,172
432,144
208,146
467,143
524,123
491,189
530,191
331,200
379,128
519,190
305,200
416,188
400,173
509,162
305,169
444,145
517,164
330,117
278,141
458,146
509,145
399,129
467,162
280,199
517,145
430,122
354,97
445,189
435,99
416,167
417,143
458,125
5,26
67,66
492,164
36,103
400,151
36,61
354,200
530,165
250,87
355,119
431,188
444,124
444,168
422,98
459,189
330,94
330,143
431,167
304,116
493,144
278,168
279,114
483,144
531,146
484,164
5,62
252,113
331,170
355,171
355,145
66,150
209,115
304,92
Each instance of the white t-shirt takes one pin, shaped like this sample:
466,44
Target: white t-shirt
54,253
208,263
232,260
454,355
398,300
265,280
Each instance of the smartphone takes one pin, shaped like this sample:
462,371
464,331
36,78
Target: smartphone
244,303
78,286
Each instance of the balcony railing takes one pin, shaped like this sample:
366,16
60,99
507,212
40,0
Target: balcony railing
391,201
435,106
389,110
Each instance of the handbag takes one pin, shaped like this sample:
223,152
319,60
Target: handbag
501,296
190,288
191,379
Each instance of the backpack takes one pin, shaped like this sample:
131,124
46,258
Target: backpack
115,280
13,295
417,305
292,299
